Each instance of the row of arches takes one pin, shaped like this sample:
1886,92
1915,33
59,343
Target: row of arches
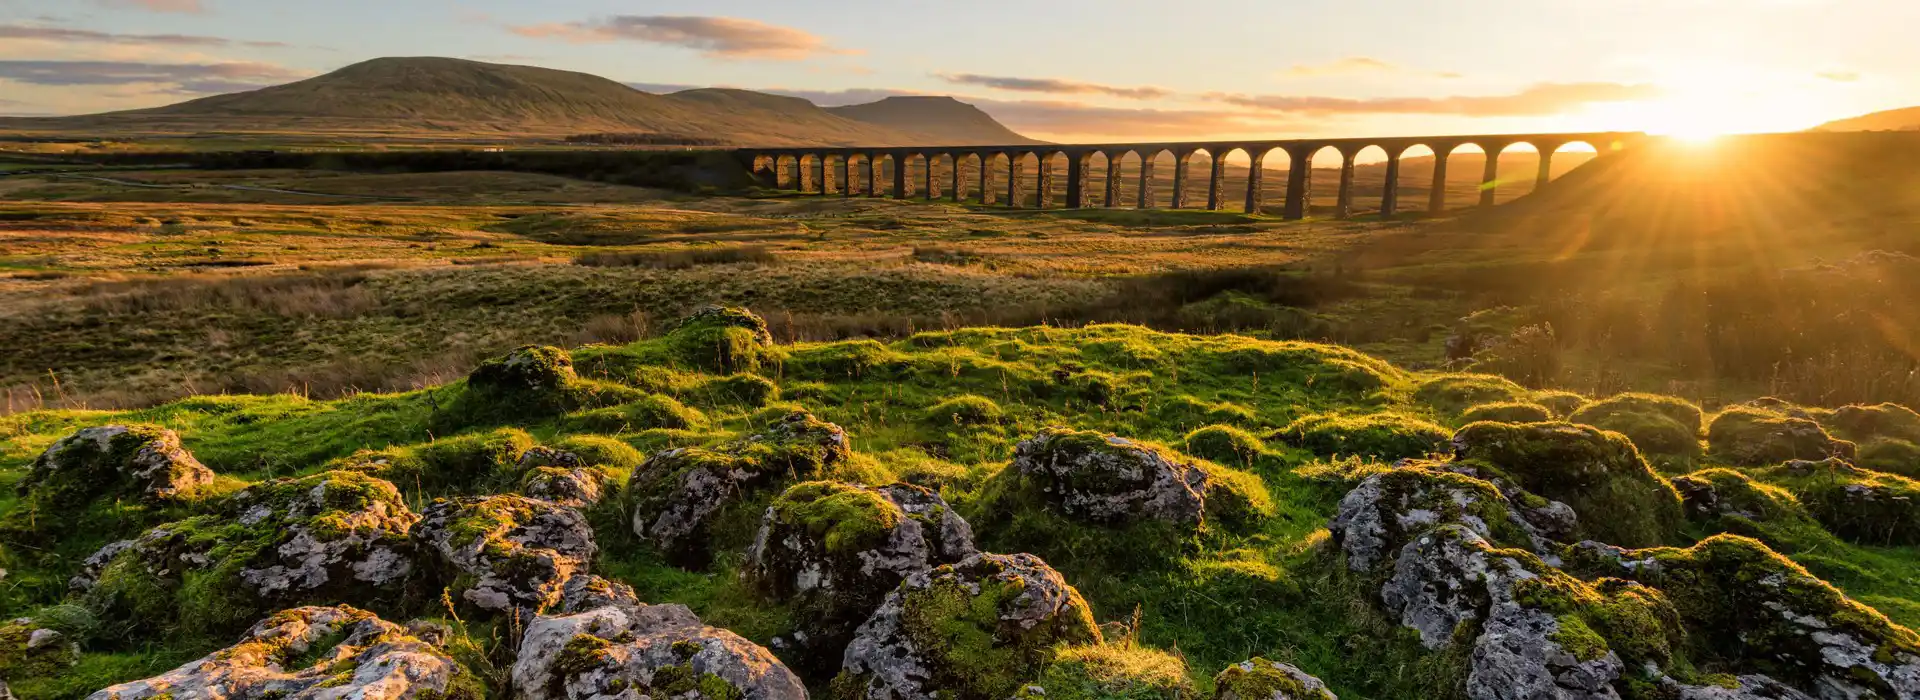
1394,175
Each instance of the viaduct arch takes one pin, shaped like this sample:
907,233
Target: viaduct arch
1002,170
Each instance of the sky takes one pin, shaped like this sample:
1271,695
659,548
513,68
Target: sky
1069,71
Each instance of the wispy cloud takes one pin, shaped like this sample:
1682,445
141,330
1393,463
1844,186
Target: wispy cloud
1839,76
713,37
181,6
1352,64
1054,86
177,78
1538,100
68,34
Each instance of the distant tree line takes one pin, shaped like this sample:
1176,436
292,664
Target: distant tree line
644,139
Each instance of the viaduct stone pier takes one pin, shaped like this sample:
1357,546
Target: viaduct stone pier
1001,170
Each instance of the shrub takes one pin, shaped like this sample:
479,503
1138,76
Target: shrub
1507,412
1387,436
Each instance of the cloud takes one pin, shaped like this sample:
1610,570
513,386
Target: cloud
177,78
1352,64
1054,86
182,6
1839,76
43,33
1538,100
713,37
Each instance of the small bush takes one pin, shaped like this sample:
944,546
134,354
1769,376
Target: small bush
1387,436
1507,412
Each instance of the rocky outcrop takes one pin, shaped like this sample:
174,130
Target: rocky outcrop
832,551
562,477
1599,474
1260,679
354,655
1758,436
611,645
519,551
677,492
1739,595
1389,509
723,339
975,630
1743,688
141,462
1100,478
30,649
282,542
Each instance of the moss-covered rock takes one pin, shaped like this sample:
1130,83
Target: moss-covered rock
325,537
1890,455
1729,501
314,652
1751,437
1600,474
644,413
1387,510
976,630
743,389
1679,410
1747,607
1507,412
1387,436
479,461
1104,479
1451,394
677,493
31,650
968,410
1658,425
1561,403
1110,672
507,553
831,551
1860,423
140,462
1857,504
532,380
1260,679
623,649
565,477
1224,444
724,339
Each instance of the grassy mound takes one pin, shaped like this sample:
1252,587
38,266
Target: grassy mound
1751,436
1658,425
1507,412
1385,436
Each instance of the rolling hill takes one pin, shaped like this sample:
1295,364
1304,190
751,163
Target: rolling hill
957,122
1907,119
446,98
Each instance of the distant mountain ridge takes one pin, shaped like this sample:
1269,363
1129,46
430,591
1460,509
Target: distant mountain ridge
448,98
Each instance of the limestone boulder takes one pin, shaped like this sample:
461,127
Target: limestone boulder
563,477
1260,679
1101,478
832,551
975,630
678,492
1387,510
351,653
622,648
142,462
519,551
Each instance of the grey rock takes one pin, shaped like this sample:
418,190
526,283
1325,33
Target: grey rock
886,662
381,661
835,590
1378,517
1136,482
102,457
1746,688
523,556
631,650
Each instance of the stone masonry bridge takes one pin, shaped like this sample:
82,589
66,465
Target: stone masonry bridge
831,170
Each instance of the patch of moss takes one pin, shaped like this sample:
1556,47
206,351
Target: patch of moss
1387,436
1260,679
1617,495
1507,412
847,518
460,463
1681,411
601,451
1224,444
532,380
742,389
648,412
977,654
1857,504
1729,501
1752,436
1110,672
723,339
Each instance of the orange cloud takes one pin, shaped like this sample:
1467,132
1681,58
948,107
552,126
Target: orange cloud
714,37
1055,86
181,6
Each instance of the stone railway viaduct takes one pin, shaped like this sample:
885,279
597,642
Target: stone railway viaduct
837,170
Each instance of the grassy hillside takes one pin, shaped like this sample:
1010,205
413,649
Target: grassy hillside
954,122
453,99
1292,426
1905,119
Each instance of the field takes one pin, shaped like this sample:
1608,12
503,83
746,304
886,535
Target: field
348,328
